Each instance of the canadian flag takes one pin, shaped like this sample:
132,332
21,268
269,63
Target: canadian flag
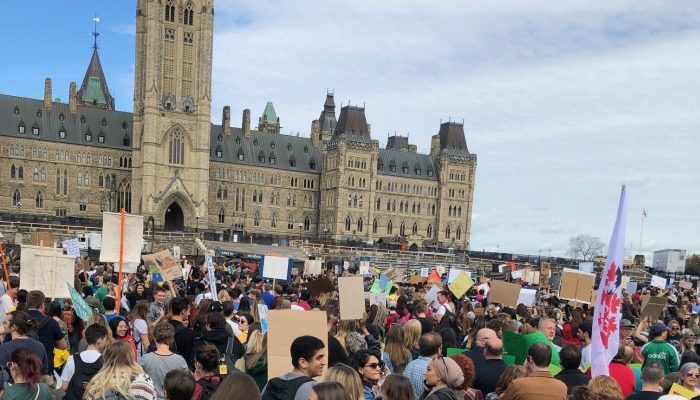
606,318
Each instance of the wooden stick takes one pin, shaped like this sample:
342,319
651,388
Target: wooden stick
3,258
121,259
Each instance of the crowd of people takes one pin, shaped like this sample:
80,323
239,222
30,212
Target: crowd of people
172,340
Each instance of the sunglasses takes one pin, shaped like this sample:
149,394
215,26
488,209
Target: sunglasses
379,365
693,375
675,328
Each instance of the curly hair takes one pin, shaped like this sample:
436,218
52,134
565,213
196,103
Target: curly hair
467,366
606,387
511,373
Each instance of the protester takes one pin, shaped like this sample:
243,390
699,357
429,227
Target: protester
8,301
81,367
237,386
308,360
368,364
396,355
178,385
94,319
139,320
443,298
466,389
429,347
18,324
477,352
157,308
47,330
411,334
25,368
652,375
659,350
605,387
206,365
571,375
539,384
254,361
623,374
122,332
487,375
348,378
217,333
396,387
183,335
120,376
511,373
161,361
690,376
585,332
443,377
244,321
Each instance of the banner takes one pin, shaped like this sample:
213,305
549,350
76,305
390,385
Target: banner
212,279
607,314
262,312
133,238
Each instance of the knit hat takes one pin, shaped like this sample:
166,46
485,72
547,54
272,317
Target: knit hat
448,371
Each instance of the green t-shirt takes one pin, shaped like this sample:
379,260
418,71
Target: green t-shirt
20,391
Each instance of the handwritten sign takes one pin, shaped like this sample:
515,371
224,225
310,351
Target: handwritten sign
71,247
461,283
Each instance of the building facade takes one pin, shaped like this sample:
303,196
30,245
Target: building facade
669,260
167,161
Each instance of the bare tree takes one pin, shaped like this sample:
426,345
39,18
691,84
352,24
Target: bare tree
585,247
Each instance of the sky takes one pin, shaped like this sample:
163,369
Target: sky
563,102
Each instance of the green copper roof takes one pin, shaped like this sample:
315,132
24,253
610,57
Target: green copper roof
94,92
269,115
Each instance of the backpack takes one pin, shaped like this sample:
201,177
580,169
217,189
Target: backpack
229,358
82,375
34,333
449,320
280,389
208,388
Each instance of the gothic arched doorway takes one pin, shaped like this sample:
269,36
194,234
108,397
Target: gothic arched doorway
174,218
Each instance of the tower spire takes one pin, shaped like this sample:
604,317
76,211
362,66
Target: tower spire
95,19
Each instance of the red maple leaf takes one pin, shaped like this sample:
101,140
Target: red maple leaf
611,277
607,319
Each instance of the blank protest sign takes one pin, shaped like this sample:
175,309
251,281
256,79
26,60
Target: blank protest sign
283,327
276,267
352,299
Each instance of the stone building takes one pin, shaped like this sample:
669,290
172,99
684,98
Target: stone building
68,162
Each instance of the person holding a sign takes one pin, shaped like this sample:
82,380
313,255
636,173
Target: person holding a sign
308,359
443,298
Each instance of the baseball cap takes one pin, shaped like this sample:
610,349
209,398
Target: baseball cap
657,329
216,306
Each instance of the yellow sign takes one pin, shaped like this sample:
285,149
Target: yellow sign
461,283
681,391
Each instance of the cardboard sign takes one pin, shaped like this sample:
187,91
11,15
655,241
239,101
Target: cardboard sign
461,283
654,307
681,391
531,277
351,297
313,267
415,279
658,282
275,267
685,284
320,285
168,265
576,285
46,269
505,293
133,238
44,239
527,297
425,272
544,275
72,247
377,298
284,327
364,268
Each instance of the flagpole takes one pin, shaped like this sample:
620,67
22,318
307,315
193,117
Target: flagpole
121,258
641,234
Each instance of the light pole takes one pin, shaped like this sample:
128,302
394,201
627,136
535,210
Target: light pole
325,236
300,225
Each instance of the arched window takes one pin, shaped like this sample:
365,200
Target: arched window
108,182
16,198
13,171
374,226
273,221
80,178
402,230
20,171
359,202
256,219
104,204
290,222
83,204
58,181
100,180
124,196
348,222
459,233
429,232
86,179
433,209
188,15
222,215
354,201
307,223
360,225
176,148
170,11
379,204
219,152
414,230
389,228
35,175
448,231
459,212
65,182
39,200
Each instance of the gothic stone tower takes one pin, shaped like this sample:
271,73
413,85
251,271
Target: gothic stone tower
172,101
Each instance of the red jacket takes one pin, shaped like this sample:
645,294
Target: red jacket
569,336
624,377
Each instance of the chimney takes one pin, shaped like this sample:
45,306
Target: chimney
226,120
72,99
435,146
47,94
315,133
246,123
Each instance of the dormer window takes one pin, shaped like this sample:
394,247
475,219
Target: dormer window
272,145
62,133
219,152
255,142
21,128
126,141
16,111
261,157
35,130
38,113
82,119
418,171
61,117
312,164
238,140
101,137
306,149
392,167
292,161
272,159
404,168
430,172
104,122
289,147
241,155
88,136
124,125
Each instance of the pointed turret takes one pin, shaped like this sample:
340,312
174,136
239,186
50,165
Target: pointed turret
327,121
94,91
269,122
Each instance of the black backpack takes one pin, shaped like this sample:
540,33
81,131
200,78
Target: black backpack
208,388
82,375
280,389
228,356
449,320
34,334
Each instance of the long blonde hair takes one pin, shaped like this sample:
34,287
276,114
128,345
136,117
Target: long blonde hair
344,329
398,353
256,348
348,377
116,372
411,334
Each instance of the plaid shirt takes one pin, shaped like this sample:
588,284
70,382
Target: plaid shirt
415,372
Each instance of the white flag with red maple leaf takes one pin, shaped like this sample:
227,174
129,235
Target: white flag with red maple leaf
606,318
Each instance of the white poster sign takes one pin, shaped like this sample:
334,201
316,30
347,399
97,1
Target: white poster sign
72,247
364,268
275,267
133,238
527,297
176,252
586,266
517,274
425,272
211,276
453,274
313,267
658,282
48,270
